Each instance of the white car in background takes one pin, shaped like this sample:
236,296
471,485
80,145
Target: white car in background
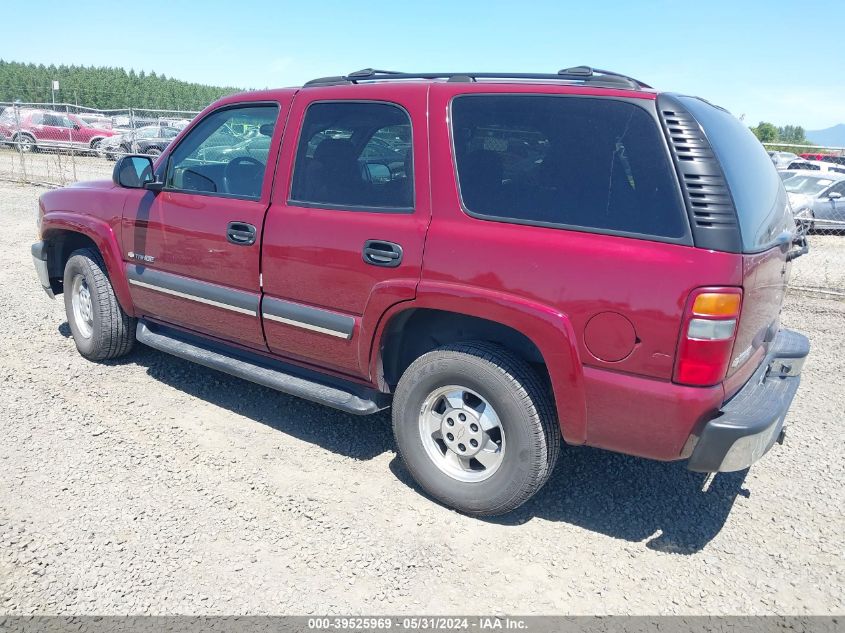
782,159
817,199
815,165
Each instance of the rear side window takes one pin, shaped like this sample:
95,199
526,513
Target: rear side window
597,164
355,155
757,190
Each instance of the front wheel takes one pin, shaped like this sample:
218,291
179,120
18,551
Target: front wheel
476,427
100,327
25,143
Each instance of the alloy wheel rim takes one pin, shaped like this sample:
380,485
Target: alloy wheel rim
83,313
462,434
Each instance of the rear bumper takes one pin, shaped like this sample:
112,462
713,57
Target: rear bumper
39,259
752,421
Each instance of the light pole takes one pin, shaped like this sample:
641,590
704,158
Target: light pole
53,89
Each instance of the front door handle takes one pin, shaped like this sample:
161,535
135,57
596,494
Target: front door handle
240,233
381,253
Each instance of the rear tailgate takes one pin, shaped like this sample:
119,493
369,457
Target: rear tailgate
765,277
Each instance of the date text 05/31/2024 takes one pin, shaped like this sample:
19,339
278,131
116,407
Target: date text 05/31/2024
426,623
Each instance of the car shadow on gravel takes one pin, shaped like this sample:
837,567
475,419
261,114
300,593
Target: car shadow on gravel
638,500
358,437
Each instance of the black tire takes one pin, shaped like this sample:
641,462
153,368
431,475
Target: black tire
153,152
112,331
25,143
523,404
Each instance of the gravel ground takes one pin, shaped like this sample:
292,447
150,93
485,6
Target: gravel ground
151,485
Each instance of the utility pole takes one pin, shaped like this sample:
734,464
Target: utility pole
54,89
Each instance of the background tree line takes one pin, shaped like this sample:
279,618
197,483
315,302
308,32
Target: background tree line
103,87
787,134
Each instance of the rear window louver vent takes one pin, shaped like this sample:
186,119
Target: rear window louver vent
706,194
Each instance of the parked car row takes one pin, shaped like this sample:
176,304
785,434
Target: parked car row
808,161
32,129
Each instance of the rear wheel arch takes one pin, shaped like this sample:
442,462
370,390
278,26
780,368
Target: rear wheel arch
417,331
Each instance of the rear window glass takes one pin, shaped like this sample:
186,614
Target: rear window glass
755,186
597,164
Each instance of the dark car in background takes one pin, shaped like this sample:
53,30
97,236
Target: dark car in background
150,140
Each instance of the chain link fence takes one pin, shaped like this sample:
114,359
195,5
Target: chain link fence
57,144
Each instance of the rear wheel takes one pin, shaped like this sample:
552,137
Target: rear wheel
476,427
100,327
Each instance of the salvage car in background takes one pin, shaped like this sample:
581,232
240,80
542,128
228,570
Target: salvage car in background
782,159
31,130
817,199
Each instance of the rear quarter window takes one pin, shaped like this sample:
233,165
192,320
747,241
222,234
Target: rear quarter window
572,162
757,190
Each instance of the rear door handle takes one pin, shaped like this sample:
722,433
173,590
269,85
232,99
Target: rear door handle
381,253
240,233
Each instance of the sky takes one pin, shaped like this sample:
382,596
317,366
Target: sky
775,60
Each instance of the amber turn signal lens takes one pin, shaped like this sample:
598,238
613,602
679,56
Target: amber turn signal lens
717,304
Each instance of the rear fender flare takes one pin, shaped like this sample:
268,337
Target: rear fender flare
549,329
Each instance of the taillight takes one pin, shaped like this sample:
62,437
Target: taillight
707,338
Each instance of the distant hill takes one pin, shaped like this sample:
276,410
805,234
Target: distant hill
832,136
103,88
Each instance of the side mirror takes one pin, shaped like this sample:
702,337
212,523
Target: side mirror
76,126
834,195
133,172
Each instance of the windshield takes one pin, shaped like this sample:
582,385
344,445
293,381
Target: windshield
808,185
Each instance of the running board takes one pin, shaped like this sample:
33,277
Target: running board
260,371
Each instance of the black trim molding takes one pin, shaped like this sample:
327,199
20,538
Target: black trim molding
308,318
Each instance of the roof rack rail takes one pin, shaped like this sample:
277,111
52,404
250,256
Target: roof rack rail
586,74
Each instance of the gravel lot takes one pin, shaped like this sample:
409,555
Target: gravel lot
151,485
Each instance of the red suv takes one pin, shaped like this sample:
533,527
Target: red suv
506,260
30,130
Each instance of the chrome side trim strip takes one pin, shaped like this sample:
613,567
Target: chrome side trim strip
184,295
307,326
192,290
308,317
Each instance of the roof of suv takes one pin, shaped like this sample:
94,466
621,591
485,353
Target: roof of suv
585,75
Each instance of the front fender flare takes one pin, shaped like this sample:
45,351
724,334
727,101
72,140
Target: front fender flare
104,239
